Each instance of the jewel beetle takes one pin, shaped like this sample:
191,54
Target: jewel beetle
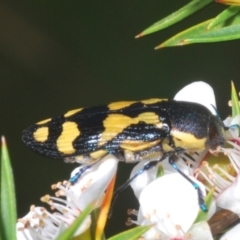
151,129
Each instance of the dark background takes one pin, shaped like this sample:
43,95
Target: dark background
59,55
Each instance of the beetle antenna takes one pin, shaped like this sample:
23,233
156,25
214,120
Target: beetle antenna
234,126
216,111
218,115
76,177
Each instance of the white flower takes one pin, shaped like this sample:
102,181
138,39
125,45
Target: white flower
198,92
229,198
224,179
185,163
171,203
39,224
233,132
199,231
232,234
93,182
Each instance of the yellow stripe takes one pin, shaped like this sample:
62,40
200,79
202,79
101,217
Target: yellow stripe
152,100
44,121
120,105
188,140
137,145
69,133
116,123
71,112
98,154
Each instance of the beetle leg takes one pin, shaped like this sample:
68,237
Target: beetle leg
75,178
201,203
120,189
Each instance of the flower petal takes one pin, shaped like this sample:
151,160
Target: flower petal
233,132
199,92
200,230
94,181
170,201
230,197
232,234
143,179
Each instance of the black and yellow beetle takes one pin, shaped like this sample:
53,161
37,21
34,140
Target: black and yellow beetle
152,129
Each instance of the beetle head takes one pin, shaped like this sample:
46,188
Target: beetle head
216,134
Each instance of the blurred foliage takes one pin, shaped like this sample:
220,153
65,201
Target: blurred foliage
224,27
7,196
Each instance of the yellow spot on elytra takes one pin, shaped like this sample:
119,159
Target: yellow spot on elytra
71,112
98,154
120,105
152,100
123,104
116,123
41,134
69,133
188,140
44,121
132,145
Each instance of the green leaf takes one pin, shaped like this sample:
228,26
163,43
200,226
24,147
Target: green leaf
218,35
200,33
235,101
160,171
94,217
177,16
202,216
131,234
178,39
224,16
86,235
68,233
224,27
7,198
